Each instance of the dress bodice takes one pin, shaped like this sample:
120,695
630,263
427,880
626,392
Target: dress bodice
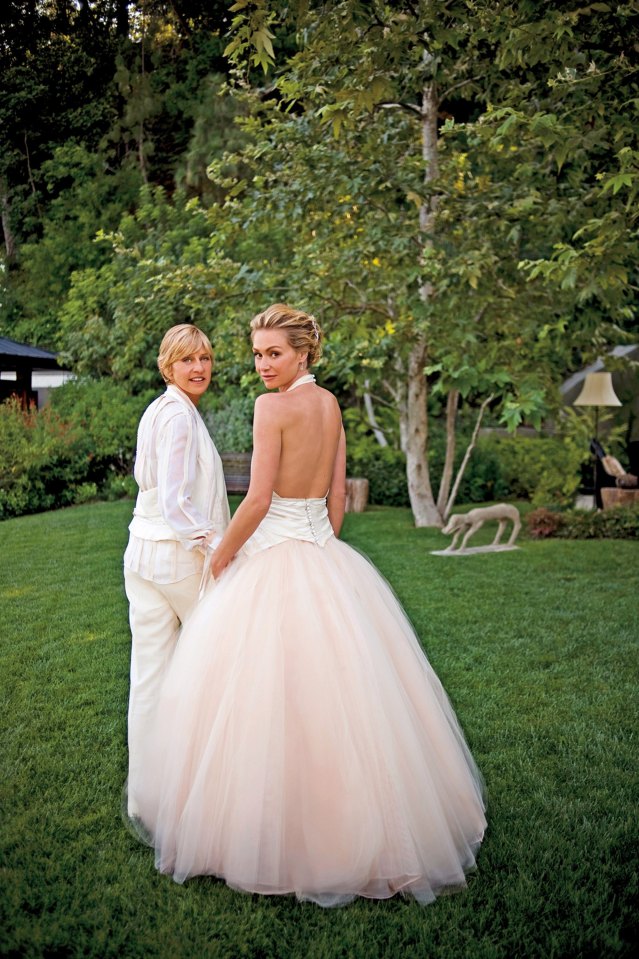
302,519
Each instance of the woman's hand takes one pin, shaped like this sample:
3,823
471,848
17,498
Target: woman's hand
218,564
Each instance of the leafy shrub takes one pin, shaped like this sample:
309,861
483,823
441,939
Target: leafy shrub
107,416
117,487
383,466
484,479
621,522
85,492
77,448
385,470
541,469
42,460
229,419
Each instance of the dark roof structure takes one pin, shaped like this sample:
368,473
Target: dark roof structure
22,360
20,356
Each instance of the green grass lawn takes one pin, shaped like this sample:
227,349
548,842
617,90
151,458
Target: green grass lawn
537,649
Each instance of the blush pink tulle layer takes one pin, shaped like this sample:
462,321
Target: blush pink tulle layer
303,743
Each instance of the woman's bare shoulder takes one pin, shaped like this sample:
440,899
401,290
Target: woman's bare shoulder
329,397
267,406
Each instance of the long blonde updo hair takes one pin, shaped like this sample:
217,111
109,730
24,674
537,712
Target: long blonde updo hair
301,329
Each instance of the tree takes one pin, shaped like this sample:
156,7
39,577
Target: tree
96,99
416,219
165,266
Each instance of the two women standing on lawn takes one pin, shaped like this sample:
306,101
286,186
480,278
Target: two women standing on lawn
302,742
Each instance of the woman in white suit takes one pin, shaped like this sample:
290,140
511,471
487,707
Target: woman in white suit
180,514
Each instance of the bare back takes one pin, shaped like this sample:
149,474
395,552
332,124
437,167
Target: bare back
310,425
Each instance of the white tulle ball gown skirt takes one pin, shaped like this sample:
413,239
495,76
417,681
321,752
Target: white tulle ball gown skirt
303,743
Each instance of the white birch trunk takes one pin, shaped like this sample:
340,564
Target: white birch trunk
423,505
372,419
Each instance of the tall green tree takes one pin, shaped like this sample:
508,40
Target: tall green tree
387,144
96,99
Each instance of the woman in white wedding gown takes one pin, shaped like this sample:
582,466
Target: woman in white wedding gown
303,743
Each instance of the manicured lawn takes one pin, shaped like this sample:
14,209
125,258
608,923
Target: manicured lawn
538,651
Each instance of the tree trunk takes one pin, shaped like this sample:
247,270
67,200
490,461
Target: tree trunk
5,214
372,419
452,402
356,494
425,512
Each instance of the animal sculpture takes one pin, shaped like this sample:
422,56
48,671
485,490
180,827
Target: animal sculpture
469,523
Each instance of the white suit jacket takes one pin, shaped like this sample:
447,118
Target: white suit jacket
182,493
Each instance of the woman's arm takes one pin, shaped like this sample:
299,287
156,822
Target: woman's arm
267,447
336,501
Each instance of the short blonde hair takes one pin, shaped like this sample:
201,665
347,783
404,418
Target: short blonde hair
180,341
302,330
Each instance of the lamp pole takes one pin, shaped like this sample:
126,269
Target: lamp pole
597,391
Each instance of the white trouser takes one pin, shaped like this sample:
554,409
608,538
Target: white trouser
156,612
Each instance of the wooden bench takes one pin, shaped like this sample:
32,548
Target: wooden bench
237,474
237,471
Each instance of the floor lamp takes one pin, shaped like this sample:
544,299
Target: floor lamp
597,391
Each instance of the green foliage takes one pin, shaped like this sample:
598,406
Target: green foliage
385,470
77,448
85,493
543,469
229,418
485,478
97,101
42,460
508,247
165,269
117,486
383,467
86,198
106,416
620,522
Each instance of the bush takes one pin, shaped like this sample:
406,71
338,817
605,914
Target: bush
621,522
119,487
85,492
107,416
78,448
42,460
385,470
543,469
229,420
543,523
540,469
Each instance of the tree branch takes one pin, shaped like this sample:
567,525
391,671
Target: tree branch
408,107
464,462
456,86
